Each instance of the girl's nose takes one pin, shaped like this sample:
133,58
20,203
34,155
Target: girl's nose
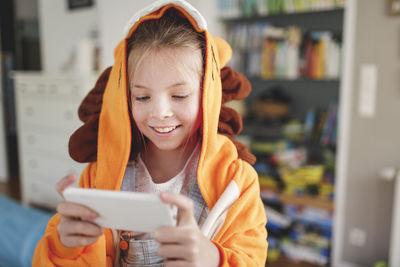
162,109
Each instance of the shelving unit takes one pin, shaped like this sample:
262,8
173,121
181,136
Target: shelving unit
303,207
308,201
327,19
307,92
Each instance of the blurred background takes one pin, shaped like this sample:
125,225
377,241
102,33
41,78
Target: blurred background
322,118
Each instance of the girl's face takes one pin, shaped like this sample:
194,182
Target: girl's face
166,96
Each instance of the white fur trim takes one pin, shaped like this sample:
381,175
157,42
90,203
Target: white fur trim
201,22
217,215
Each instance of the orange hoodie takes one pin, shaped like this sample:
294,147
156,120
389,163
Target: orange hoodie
229,185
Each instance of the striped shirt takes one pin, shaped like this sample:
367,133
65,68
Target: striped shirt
142,250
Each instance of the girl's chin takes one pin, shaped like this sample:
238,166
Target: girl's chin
170,147
164,146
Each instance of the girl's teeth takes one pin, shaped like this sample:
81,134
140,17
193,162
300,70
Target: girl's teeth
164,130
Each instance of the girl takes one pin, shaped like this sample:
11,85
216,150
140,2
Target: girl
158,133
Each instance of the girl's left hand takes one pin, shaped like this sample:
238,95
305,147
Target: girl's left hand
185,244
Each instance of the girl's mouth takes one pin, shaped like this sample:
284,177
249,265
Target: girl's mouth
165,130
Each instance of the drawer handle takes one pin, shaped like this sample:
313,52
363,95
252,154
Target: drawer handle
29,111
31,140
68,115
34,188
53,89
41,89
33,164
75,90
23,88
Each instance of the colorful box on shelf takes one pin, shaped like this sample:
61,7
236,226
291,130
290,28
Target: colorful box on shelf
310,174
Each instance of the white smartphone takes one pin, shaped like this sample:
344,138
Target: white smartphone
131,211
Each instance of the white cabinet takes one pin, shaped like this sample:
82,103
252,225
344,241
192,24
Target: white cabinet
47,115
3,147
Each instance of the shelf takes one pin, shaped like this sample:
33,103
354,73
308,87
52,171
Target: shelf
310,201
331,19
303,93
317,94
299,80
285,15
283,261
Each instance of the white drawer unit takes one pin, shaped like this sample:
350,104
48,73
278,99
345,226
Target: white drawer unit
58,113
34,140
41,193
49,164
47,115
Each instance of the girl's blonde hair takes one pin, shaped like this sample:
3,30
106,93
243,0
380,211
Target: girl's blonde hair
169,35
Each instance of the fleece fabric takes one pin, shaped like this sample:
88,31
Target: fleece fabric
241,238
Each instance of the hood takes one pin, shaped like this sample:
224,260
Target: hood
114,139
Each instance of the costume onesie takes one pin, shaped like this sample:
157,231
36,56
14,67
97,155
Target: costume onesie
228,184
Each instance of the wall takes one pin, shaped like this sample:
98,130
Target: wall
61,30
111,26
373,141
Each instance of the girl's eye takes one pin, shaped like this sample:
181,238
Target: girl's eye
142,98
180,96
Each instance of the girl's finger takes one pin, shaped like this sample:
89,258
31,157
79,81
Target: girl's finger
65,182
178,235
75,210
174,251
73,227
78,241
175,263
184,204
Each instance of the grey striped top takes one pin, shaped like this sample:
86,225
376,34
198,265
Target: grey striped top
142,251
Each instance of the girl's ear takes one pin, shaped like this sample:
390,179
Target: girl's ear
224,50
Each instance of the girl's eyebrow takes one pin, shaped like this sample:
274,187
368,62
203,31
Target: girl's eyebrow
171,86
140,86
177,84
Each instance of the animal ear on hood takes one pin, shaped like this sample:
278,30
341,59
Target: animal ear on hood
224,50
82,145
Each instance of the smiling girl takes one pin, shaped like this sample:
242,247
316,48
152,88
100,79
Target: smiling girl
158,134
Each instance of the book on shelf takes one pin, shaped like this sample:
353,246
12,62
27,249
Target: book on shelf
245,8
329,131
320,126
270,52
309,124
321,56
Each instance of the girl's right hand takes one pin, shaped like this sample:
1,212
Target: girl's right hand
75,227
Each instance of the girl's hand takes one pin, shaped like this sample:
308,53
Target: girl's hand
75,227
184,245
